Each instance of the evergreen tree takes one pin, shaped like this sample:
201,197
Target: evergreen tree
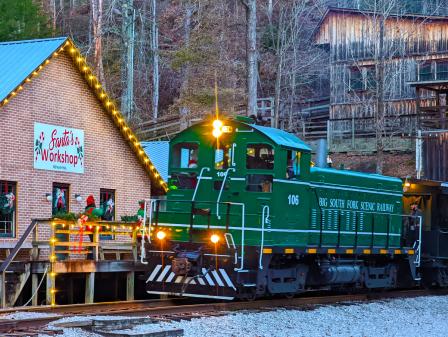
22,19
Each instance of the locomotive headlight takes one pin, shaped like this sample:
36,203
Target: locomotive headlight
214,238
161,235
217,128
217,124
216,133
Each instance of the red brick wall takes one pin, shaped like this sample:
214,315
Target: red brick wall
59,96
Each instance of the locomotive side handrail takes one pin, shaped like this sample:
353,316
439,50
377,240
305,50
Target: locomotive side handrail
264,219
324,215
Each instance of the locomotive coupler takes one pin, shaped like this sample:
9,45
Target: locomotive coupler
187,263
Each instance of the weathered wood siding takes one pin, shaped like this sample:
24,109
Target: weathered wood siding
351,39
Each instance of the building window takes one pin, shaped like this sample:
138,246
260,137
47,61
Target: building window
8,204
356,80
425,72
371,78
442,70
260,156
107,204
185,155
61,198
259,183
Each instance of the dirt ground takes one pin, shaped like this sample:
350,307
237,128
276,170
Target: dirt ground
395,164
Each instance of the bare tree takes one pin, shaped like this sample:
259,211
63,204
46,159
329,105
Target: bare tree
251,55
97,24
155,60
377,73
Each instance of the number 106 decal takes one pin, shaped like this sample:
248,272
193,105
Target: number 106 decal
293,199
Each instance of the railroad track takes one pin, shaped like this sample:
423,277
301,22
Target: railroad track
182,308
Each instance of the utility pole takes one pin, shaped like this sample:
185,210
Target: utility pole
128,31
155,60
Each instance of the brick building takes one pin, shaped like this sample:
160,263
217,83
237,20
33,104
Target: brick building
62,139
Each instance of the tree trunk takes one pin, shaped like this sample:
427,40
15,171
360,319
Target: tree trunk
97,23
380,101
128,19
251,55
155,61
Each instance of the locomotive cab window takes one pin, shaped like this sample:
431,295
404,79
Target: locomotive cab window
183,180
293,164
222,157
259,183
185,155
260,156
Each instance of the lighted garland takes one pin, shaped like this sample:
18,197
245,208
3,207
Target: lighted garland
108,104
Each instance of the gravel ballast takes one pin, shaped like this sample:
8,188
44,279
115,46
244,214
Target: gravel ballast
415,317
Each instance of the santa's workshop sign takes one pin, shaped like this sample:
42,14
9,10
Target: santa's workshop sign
58,148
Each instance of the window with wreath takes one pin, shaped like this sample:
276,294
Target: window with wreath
107,204
61,198
7,208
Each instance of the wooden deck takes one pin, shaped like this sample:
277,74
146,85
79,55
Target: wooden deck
72,247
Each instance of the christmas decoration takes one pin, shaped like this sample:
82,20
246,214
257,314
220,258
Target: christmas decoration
7,203
60,203
108,208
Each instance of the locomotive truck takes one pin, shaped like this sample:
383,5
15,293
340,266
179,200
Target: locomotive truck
248,215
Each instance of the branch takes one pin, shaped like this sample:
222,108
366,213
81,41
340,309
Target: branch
244,3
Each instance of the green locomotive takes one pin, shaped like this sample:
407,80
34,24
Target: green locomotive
248,215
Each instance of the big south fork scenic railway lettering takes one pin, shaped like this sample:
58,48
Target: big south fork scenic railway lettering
58,148
356,205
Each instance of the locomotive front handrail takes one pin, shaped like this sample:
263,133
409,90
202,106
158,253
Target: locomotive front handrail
199,181
156,202
221,189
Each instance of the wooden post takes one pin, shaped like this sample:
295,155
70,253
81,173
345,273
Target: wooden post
130,286
96,240
50,294
34,284
135,244
35,250
90,287
353,132
51,275
3,288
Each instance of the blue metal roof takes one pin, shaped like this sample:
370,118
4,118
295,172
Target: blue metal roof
18,59
159,152
282,138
